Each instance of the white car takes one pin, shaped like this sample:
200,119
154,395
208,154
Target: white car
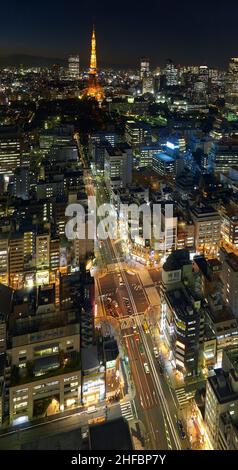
156,353
91,409
147,370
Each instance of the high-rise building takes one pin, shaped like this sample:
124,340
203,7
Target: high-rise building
6,294
207,224
229,277
223,155
10,150
146,76
137,133
144,67
147,152
148,84
73,67
232,85
118,165
97,143
43,251
185,233
164,164
171,73
229,226
221,397
4,259
228,433
60,136
21,182
52,348
182,314
16,259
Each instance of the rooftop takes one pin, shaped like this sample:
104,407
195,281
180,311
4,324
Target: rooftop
89,356
181,300
177,260
111,435
207,267
223,315
221,385
204,211
164,157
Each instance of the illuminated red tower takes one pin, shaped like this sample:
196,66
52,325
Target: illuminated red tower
93,89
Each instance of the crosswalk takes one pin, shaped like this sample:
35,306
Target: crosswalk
183,397
126,410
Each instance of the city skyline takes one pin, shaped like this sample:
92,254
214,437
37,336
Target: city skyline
54,31
119,230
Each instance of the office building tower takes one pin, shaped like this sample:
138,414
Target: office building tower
104,136
52,383
137,133
73,67
221,398
147,152
207,224
232,85
171,73
182,313
21,182
59,136
144,67
229,225
118,166
97,143
16,259
164,164
10,150
223,155
4,259
185,233
229,277
43,251
228,433
6,295
148,84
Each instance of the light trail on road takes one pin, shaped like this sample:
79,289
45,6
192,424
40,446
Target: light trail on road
158,387
170,432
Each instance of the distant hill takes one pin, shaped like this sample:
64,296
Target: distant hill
30,61
15,60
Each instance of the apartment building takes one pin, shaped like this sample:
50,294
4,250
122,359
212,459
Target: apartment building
207,224
44,355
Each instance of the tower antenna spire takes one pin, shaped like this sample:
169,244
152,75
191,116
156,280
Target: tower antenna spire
93,89
93,58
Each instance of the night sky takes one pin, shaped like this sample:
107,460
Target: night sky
188,31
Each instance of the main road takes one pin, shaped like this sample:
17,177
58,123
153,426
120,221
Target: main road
156,403
155,400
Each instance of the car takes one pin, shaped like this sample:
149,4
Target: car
161,369
156,353
161,366
91,409
84,432
147,370
180,428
